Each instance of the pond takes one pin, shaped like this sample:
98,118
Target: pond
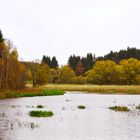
95,122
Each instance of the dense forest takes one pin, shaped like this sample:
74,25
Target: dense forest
122,54
121,68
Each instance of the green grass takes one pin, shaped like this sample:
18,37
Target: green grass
81,107
119,108
138,107
109,89
40,106
30,93
39,113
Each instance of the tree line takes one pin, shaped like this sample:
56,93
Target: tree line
121,67
105,72
122,54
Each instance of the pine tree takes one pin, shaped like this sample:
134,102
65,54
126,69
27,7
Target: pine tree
73,61
122,54
1,37
46,60
54,63
88,61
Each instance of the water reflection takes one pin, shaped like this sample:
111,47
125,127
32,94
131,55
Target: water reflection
96,122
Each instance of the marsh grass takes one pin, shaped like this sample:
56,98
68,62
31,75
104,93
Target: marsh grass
40,106
109,89
27,124
39,113
58,89
30,106
33,125
138,107
119,108
81,107
31,92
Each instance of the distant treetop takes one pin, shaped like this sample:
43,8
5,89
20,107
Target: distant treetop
52,63
1,37
122,54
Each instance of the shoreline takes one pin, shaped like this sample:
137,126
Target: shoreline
99,89
60,89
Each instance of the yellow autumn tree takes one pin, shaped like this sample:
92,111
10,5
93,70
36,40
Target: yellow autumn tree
130,71
66,75
102,73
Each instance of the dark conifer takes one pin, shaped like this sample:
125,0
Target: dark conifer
54,63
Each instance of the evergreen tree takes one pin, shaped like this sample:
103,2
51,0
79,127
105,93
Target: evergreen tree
1,37
54,63
73,61
88,61
122,54
46,60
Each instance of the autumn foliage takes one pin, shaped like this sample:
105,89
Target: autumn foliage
108,70
12,72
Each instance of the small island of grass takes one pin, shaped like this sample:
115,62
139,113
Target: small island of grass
81,107
120,108
138,107
39,113
40,106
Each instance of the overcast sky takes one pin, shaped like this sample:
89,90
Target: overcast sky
64,27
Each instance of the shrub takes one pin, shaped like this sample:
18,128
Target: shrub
79,80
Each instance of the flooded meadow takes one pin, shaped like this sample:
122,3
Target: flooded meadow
77,116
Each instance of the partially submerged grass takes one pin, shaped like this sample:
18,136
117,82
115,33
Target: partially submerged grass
31,92
96,88
40,106
81,107
27,124
29,106
39,113
138,107
119,108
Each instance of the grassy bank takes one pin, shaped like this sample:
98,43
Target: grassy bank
96,88
29,92
58,89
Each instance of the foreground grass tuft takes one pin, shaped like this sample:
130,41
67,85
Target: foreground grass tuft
119,108
81,107
41,113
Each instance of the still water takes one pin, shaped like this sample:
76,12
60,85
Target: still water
96,122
